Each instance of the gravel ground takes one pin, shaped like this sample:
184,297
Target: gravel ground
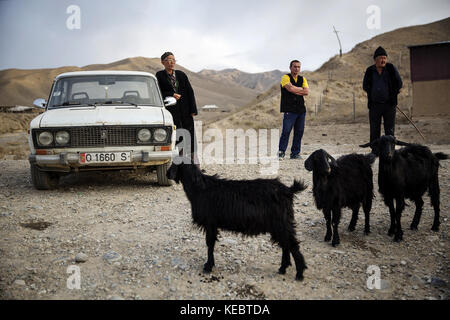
132,239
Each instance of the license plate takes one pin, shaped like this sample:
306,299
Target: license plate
104,157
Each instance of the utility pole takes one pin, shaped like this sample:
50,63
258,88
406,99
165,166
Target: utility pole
340,46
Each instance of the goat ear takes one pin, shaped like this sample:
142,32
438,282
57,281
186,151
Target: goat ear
309,164
333,161
401,143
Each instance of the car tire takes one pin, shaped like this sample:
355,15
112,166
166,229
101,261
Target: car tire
161,173
43,180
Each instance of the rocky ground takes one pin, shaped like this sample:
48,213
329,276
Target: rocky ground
132,239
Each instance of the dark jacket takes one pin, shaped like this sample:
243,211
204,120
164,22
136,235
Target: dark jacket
395,84
186,106
291,102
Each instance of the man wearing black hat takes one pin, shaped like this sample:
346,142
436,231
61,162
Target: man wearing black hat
175,83
382,82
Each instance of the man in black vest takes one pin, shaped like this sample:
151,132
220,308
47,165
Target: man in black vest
175,83
293,88
382,82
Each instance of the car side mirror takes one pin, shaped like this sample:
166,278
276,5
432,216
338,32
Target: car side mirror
40,103
170,101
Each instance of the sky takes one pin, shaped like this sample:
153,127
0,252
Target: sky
250,35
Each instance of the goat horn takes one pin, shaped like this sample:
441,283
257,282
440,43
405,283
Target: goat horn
401,143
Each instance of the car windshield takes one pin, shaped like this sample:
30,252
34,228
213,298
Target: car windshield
105,89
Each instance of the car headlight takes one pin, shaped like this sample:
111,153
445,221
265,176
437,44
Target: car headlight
160,135
144,135
62,138
45,138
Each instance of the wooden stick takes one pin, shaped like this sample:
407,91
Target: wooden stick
411,122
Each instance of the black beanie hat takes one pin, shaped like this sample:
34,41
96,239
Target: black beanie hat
165,55
379,52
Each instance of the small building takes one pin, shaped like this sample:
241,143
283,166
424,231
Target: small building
16,109
210,108
430,76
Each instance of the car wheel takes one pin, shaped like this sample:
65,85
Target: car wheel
161,172
43,180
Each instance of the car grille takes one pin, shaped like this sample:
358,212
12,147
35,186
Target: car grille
103,136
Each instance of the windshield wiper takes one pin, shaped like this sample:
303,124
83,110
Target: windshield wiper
120,102
73,103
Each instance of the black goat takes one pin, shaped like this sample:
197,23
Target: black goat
249,207
407,173
345,182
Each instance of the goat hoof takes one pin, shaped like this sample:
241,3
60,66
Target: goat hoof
398,238
207,269
282,271
390,232
413,227
327,238
366,232
299,277
435,228
335,243
351,228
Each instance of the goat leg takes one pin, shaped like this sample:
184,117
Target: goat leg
355,210
367,205
434,195
211,237
285,260
400,205
390,203
417,214
300,264
335,221
327,215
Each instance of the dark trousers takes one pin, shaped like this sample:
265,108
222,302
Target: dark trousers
186,122
296,121
378,111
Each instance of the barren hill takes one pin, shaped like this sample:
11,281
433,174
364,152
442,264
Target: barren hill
338,81
257,81
21,87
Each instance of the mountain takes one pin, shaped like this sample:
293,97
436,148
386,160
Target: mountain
257,81
21,87
338,82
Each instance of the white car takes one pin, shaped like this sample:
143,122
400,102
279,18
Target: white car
101,120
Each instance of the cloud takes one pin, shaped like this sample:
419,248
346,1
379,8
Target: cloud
249,35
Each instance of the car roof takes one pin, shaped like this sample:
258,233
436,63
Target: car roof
103,72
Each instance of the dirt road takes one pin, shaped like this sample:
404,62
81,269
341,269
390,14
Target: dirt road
137,242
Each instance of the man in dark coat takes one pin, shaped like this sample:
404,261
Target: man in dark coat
175,83
382,82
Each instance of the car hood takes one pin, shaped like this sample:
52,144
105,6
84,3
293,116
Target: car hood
105,115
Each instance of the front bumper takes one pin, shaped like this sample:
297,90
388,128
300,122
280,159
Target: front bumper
72,159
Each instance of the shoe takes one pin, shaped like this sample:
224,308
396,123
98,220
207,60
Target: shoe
280,154
297,156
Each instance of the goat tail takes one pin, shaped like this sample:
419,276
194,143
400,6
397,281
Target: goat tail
441,156
298,186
